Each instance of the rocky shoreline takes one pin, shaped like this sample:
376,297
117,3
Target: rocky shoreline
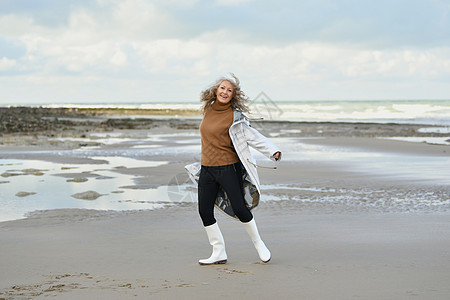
77,122
40,119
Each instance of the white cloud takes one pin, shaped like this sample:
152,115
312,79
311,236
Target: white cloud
119,58
138,18
12,25
134,44
6,63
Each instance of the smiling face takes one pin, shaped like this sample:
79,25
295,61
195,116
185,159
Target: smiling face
225,92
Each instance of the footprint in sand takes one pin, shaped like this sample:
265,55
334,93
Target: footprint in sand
234,271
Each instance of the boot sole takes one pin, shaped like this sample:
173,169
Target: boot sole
219,262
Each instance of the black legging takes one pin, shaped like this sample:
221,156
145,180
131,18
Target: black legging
230,178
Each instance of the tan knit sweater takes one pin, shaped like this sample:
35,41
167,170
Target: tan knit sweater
217,149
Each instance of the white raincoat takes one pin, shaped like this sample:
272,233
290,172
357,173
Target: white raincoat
242,136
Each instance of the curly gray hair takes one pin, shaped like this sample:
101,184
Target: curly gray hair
239,100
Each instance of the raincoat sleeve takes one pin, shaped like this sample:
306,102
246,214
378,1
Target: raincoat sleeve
259,142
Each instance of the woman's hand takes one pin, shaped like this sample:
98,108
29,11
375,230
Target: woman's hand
277,155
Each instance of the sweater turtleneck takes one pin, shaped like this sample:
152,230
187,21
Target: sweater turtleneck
219,106
217,149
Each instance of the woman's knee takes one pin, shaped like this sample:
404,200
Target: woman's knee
243,214
206,212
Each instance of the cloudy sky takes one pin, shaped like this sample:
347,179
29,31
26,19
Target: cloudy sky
76,51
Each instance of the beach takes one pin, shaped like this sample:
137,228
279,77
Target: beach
97,205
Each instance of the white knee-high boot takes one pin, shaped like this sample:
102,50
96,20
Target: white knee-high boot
218,256
252,230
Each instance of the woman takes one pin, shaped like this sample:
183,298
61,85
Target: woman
226,161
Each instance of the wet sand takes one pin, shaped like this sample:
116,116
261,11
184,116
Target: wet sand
336,229
71,254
